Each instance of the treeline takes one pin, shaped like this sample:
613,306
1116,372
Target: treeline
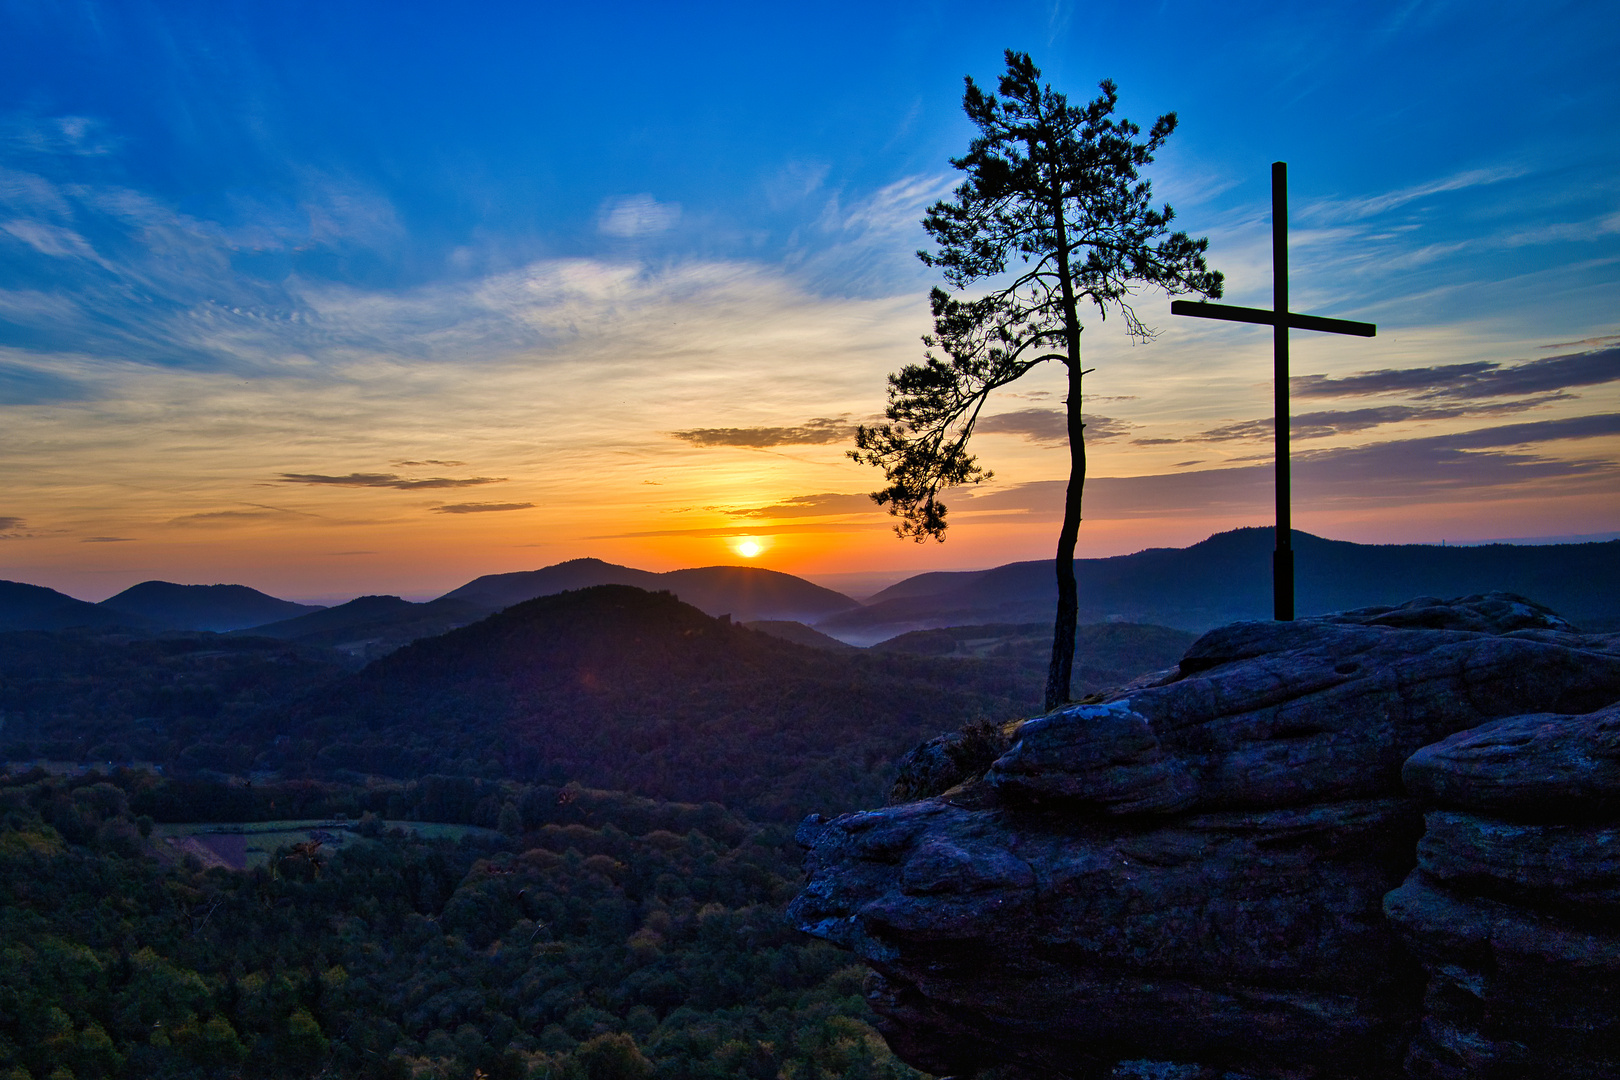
75,805
637,941
88,697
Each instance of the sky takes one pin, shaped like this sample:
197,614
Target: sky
343,298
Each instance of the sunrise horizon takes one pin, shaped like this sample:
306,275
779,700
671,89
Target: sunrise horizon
858,584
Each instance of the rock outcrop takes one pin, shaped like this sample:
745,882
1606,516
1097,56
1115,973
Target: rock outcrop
1380,844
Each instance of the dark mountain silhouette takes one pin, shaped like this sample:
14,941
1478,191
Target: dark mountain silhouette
620,688
798,633
746,593
372,626
1228,577
34,607
202,607
164,698
929,584
492,592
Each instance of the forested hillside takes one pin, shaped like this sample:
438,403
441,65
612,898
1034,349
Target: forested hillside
552,844
598,937
612,687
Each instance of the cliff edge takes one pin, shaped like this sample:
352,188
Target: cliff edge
1379,844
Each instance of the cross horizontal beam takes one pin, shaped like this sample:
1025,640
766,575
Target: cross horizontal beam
1266,318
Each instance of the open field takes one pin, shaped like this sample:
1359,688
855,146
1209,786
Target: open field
245,845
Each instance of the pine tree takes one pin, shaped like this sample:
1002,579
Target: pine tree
1053,214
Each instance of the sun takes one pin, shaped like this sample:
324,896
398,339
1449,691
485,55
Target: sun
747,547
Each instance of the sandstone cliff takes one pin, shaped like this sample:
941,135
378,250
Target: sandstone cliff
1379,844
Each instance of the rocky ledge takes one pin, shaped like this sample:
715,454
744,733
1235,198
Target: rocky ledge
1380,844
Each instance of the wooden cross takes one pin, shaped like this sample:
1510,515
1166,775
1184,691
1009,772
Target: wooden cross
1280,319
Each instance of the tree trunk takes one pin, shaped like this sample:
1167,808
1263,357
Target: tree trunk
1068,605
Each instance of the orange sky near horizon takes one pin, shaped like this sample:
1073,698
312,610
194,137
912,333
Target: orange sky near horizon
388,478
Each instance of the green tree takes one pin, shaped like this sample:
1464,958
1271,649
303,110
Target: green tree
613,1056
1053,214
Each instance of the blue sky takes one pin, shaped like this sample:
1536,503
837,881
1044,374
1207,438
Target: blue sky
546,258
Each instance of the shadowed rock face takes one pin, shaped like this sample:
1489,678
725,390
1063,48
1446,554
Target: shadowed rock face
1221,872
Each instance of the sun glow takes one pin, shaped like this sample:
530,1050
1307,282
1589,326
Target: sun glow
747,546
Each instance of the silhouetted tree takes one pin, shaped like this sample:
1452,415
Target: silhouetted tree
1053,213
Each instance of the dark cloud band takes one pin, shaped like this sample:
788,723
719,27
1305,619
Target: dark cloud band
1479,379
820,431
387,480
1320,425
1483,464
811,506
480,508
1050,426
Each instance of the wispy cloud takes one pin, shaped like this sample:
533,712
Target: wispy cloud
1050,426
636,216
107,540
818,431
825,505
480,508
865,244
387,480
31,384
79,136
713,531
1554,232
1337,210
48,239
1593,342
226,517
896,207
119,272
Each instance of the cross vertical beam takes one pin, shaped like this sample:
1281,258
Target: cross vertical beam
1281,320
1282,559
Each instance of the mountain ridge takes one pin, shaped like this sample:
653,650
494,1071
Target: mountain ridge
613,685
219,608
35,607
1227,578
746,593
1223,578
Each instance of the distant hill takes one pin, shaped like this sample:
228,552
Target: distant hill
798,633
746,593
34,607
1228,577
372,626
620,688
168,606
492,592
98,697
